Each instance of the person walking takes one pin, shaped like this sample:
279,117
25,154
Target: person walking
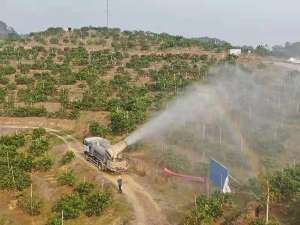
120,183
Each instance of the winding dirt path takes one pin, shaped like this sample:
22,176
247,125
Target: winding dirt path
146,210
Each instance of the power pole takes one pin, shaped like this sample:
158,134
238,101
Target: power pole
107,13
62,217
31,195
268,201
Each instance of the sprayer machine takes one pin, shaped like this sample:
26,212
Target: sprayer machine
105,156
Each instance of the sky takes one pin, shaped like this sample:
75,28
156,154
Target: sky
241,22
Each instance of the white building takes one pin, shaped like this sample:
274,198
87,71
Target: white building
235,51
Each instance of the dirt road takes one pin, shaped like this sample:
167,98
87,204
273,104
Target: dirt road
146,210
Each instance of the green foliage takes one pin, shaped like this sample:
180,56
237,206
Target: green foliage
285,185
67,178
37,133
23,162
56,220
121,121
174,161
96,129
39,147
84,188
70,204
16,140
2,94
207,209
74,114
96,203
43,164
64,98
39,92
13,178
14,165
141,84
68,157
7,70
29,112
23,80
30,206
262,50
262,222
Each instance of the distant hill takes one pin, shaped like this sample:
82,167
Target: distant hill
211,40
6,30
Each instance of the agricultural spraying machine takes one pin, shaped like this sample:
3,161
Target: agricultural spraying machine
105,156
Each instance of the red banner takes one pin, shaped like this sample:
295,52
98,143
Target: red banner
170,173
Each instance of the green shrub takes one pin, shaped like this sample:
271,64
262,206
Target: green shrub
262,222
32,207
39,147
38,133
97,129
96,203
84,188
23,162
23,80
14,178
285,184
43,164
29,111
67,178
70,204
174,161
207,209
68,157
16,140
74,114
56,220
2,94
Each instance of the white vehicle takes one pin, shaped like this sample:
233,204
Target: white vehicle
294,60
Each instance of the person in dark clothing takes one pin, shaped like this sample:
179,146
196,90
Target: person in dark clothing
120,183
257,211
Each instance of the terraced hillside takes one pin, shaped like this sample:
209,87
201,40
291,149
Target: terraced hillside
112,75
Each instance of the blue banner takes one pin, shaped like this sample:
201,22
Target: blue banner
217,173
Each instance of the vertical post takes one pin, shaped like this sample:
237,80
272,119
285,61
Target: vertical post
62,217
268,201
107,13
222,183
7,157
220,135
207,184
203,131
31,195
276,133
242,143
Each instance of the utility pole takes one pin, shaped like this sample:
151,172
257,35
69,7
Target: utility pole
268,201
31,195
203,131
107,13
62,217
220,135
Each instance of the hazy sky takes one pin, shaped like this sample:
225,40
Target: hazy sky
237,21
